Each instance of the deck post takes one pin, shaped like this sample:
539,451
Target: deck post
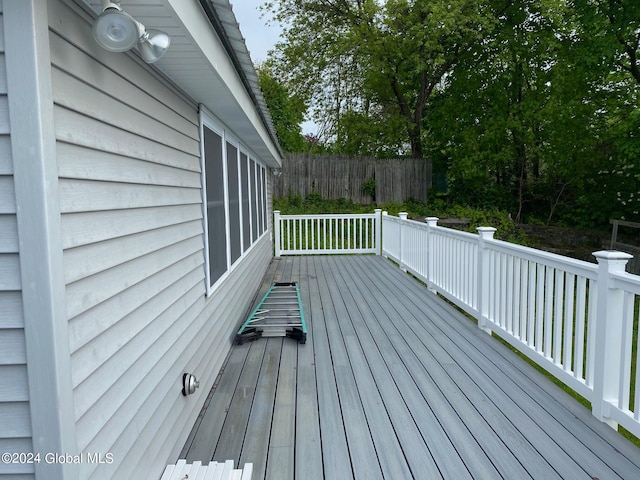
608,339
484,234
403,218
276,233
432,222
378,230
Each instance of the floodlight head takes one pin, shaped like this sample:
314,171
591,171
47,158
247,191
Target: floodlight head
116,30
153,44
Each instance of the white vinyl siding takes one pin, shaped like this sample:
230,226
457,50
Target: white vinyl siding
15,421
131,201
235,197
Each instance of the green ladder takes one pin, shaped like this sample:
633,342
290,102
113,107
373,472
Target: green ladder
279,314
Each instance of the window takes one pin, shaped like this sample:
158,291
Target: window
246,205
253,178
233,182
263,211
216,210
235,202
260,200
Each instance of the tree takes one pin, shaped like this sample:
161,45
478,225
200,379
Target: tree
611,29
364,62
287,111
527,115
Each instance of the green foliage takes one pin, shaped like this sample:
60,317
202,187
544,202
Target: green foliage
286,109
370,67
530,106
369,188
315,204
531,117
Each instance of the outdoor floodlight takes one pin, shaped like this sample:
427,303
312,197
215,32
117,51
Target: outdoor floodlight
117,31
153,44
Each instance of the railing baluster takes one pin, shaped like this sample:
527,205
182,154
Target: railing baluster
569,323
591,331
515,311
524,289
539,308
557,316
625,351
636,398
581,293
509,304
548,313
502,304
531,304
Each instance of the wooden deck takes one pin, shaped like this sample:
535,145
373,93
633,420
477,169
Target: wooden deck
394,383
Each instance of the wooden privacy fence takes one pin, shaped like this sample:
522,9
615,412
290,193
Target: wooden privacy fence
634,264
335,177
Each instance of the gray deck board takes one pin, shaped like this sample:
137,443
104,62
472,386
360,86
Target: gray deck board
209,424
256,412
545,420
394,383
308,454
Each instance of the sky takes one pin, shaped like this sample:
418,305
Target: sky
259,37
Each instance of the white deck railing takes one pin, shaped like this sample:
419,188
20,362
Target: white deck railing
327,234
574,318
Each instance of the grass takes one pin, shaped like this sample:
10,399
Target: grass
315,204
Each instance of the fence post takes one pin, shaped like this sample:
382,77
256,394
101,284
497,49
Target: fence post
608,338
484,234
431,222
378,230
403,218
276,232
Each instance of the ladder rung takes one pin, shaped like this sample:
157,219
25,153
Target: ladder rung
278,312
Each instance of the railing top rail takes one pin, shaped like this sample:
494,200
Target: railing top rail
572,265
452,232
437,228
626,281
330,215
391,218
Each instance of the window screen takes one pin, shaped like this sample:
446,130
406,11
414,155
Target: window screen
253,178
264,200
246,211
216,217
234,202
260,201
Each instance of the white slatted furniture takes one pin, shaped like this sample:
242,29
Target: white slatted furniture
214,471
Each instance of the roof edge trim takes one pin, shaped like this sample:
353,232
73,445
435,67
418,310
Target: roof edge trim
243,71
